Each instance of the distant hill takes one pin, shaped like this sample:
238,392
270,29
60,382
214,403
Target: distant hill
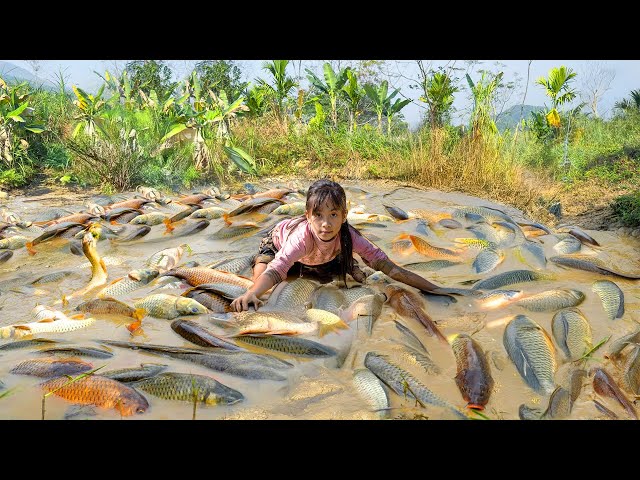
12,73
510,117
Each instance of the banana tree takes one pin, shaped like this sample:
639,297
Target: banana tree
14,113
558,90
438,89
122,89
331,86
256,101
392,109
91,111
483,93
380,99
282,85
353,95
629,104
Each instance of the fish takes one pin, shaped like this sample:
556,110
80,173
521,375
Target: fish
589,264
329,298
122,286
51,277
291,295
560,404
238,363
150,219
13,243
199,275
254,204
473,375
485,231
365,311
51,367
371,390
45,326
162,305
78,351
498,298
291,209
99,391
617,346
354,293
189,387
552,300
605,385
580,234
396,212
5,255
234,265
199,335
408,305
301,347
272,322
425,248
631,373
403,383
168,258
611,296
510,278
532,352
430,266
410,338
130,232
572,333
127,375
487,259
214,302
110,306
476,243
487,213
567,244
210,213
601,408
33,342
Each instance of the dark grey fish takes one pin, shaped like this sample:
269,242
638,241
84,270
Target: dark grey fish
589,264
5,255
449,223
572,333
601,408
199,335
51,214
301,347
430,266
605,385
396,212
78,351
126,375
559,407
34,342
616,347
238,363
51,367
410,338
192,226
487,259
130,232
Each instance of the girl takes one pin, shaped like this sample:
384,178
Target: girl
320,243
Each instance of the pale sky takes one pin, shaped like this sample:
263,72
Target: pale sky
627,78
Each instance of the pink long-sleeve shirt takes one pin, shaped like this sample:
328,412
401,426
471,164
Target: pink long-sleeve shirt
300,244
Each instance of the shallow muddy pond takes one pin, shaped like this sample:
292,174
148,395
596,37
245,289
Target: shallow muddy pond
324,388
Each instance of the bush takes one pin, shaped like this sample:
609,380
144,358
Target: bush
627,207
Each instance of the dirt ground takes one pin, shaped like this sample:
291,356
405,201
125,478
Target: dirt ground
586,205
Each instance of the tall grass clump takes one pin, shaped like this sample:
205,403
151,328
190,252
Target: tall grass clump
627,207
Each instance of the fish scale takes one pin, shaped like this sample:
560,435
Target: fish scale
99,391
301,347
234,265
51,367
354,293
294,294
202,275
552,300
511,277
398,379
371,390
430,266
127,284
126,375
632,370
487,259
328,298
572,332
162,305
567,244
611,296
185,386
532,352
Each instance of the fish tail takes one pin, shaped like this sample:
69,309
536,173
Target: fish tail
325,328
170,227
139,313
29,246
225,217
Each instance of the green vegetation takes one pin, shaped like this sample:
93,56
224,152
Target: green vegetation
143,127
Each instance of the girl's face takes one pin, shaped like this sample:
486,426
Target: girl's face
326,221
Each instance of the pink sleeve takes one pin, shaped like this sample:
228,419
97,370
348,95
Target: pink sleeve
293,249
367,250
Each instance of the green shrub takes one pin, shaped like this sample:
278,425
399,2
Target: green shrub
627,207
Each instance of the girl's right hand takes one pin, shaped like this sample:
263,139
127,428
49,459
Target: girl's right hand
242,302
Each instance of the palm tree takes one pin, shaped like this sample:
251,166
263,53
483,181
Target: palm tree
558,90
632,104
282,84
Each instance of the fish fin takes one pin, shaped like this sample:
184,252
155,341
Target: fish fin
29,246
44,320
170,227
225,217
64,300
77,316
22,327
324,329
139,313
114,281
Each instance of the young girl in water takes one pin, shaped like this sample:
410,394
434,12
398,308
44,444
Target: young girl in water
320,243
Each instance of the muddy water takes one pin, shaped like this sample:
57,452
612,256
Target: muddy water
315,389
